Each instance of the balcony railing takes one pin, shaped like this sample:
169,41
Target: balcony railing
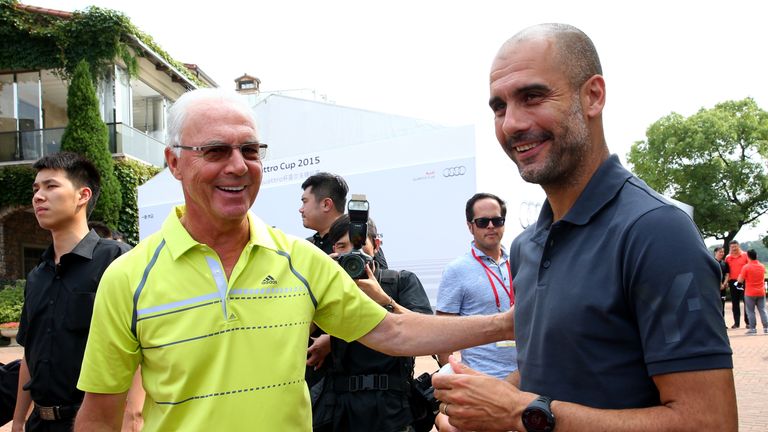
28,146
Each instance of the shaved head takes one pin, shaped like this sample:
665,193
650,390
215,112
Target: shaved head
574,50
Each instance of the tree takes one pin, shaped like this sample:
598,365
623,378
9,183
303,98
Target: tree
714,160
87,135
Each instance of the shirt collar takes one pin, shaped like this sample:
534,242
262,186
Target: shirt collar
504,256
605,183
179,241
87,245
84,248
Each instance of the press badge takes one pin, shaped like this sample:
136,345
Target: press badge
505,344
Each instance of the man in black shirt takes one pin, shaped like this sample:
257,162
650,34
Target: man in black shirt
58,298
322,202
724,270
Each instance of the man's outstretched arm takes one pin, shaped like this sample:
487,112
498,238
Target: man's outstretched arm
420,334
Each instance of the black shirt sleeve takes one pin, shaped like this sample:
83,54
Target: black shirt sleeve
411,294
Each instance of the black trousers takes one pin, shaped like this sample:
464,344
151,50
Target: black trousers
722,299
737,299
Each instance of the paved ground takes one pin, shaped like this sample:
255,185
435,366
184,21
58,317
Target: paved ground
750,358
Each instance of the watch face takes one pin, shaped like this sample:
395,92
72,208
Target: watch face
536,420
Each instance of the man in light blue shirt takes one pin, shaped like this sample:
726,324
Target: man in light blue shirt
479,283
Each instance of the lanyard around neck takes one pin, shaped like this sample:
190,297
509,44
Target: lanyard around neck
489,273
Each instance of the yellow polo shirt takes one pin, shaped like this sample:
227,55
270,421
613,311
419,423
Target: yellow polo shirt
218,353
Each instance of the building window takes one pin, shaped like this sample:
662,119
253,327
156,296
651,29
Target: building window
247,84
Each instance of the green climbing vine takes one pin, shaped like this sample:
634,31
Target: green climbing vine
33,41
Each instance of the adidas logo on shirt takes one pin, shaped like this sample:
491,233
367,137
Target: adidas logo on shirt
269,280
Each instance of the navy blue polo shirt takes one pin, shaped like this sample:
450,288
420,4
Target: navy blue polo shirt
620,289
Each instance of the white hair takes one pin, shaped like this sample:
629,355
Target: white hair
177,114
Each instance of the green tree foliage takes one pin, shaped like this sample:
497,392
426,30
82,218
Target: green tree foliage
714,160
759,247
87,134
132,174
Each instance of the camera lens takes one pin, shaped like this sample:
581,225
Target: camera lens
354,265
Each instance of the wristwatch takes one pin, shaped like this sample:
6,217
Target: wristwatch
390,307
538,417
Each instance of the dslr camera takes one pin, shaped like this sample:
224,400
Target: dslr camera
354,262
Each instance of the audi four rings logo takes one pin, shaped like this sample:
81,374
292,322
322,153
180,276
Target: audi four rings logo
455,171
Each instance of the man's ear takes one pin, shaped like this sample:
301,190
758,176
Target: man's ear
86,194
327,204
593,96
376,244
172,159
469,226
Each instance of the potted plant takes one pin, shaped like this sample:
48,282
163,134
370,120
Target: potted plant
11,302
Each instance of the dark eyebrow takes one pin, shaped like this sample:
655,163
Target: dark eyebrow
494,101
533,87
522,90
45,182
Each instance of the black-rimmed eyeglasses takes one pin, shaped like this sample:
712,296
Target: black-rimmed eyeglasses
482,222
222,152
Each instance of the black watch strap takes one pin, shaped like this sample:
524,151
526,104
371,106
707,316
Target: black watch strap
538,416
390,307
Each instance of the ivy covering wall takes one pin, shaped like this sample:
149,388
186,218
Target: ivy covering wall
131,174
32,41
16,181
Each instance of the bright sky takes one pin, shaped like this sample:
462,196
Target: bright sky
430,59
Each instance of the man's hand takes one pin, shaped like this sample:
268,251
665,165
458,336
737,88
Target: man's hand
474,401
371,287
319,350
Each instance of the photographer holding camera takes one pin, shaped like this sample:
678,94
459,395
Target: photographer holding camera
366,390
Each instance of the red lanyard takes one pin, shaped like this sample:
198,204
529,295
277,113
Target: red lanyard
489,273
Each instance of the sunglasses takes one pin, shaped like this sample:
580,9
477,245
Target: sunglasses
482,222
222,152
